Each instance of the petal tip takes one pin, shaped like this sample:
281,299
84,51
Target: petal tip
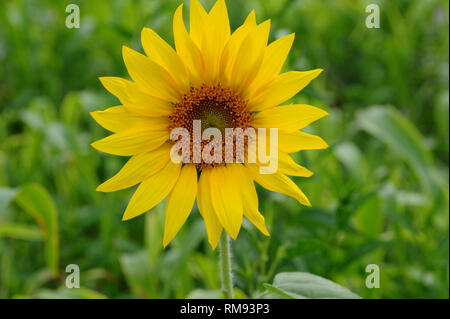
102,79
307,203
125,218
94,145
318,71
129,214
180,7
102,188
146,32
126,51
324,113
234,234
213,244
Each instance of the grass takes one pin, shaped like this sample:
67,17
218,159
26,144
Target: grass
380,192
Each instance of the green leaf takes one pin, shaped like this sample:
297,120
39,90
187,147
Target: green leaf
204,294
18,231
392,128
305,246
282,293
350,156
66,293
369,217
6,196
36,201
299,285
441,118
36,280
136,268
71,109
214,294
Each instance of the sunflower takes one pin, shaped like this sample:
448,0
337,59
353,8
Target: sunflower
225,80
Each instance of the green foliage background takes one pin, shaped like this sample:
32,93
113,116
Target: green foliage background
379,193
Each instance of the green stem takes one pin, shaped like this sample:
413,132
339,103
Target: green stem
225,267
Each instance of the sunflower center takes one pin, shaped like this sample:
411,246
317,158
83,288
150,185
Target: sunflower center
216,107
214,118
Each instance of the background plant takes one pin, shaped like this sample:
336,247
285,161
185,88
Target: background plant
380,192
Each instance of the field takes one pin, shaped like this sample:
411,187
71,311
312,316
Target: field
380,192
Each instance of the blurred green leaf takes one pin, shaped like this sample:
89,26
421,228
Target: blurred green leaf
6,196
391,127
441,118
66,293
207,270
273,292
71,110
136,269
350,156
298,285
369,217
36,280
18,231
36,201
204,294
214,294
305,246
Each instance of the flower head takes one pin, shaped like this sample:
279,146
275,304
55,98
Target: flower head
223,81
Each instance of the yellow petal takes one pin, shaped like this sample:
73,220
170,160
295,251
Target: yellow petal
215,36
297,141
275,55
180,201
162,53
231,49
288,118
134,99
250,57
226,200
204,203
197,20
131,142
286,165
118,118
151,77
153,190
251,19
249,197
279,183
137,169
116,86
188,51
282,88
257,219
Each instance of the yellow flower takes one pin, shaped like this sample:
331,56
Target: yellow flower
224,80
